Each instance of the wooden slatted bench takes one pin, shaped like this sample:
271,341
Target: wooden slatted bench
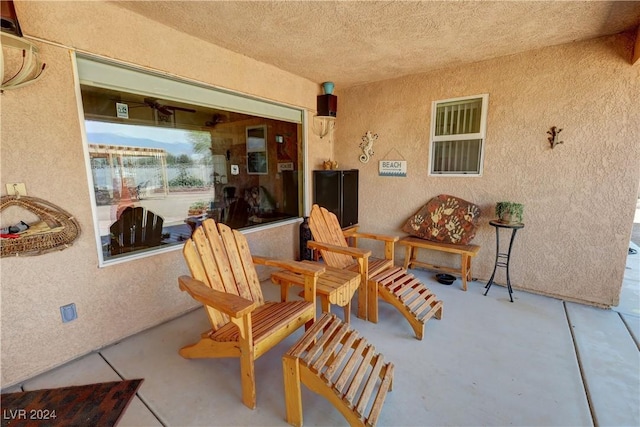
333,361
466,252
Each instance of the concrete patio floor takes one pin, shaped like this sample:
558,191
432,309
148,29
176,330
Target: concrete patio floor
536,362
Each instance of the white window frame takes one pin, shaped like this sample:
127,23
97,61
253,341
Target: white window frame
481,135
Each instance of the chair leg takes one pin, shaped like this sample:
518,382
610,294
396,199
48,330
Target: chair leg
372,304
284,291
292,390
408,254
324,303
204,348
362,289
248,375
247,358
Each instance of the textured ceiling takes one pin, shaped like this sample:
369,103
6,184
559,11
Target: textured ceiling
357,42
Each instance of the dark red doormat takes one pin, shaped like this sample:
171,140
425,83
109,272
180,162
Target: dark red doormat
99,404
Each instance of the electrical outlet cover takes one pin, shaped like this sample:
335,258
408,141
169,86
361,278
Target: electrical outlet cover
68,313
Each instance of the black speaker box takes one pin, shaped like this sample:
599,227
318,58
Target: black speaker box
327,105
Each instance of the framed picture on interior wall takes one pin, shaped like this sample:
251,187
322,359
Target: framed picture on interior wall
257,154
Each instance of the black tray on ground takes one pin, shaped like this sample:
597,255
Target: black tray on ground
445,279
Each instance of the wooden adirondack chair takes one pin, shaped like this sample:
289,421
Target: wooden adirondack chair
137,228
380,278
331,241
224,279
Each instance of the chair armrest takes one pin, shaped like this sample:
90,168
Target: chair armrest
297,267
345,250
374,236
347,232
229,304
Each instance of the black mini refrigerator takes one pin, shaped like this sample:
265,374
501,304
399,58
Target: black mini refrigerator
337,191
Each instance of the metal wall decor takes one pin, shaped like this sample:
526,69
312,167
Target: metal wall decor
554,133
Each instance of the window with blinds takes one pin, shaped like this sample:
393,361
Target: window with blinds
457,136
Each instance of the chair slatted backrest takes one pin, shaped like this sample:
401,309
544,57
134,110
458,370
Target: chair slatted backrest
220,257
242,267
326,229
137,228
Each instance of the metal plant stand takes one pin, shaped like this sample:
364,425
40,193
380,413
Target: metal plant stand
502,258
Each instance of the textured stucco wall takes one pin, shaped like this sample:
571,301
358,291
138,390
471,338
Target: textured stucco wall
42,147
579,197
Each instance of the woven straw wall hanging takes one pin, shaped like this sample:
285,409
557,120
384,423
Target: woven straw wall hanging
55,230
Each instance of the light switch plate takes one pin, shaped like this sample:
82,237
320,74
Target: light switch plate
17,189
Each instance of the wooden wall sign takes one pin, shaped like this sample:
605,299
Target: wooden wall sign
285,166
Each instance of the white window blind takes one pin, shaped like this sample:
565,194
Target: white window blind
455,118
457,156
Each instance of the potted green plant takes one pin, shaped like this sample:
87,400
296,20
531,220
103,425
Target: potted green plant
509,212
197,208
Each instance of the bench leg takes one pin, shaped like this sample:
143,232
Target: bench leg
292,390
466,270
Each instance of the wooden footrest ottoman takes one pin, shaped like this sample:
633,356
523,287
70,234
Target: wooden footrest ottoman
333,361
409,295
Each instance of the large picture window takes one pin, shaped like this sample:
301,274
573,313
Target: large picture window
160,165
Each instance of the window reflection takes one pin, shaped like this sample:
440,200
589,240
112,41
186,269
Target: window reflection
159,168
